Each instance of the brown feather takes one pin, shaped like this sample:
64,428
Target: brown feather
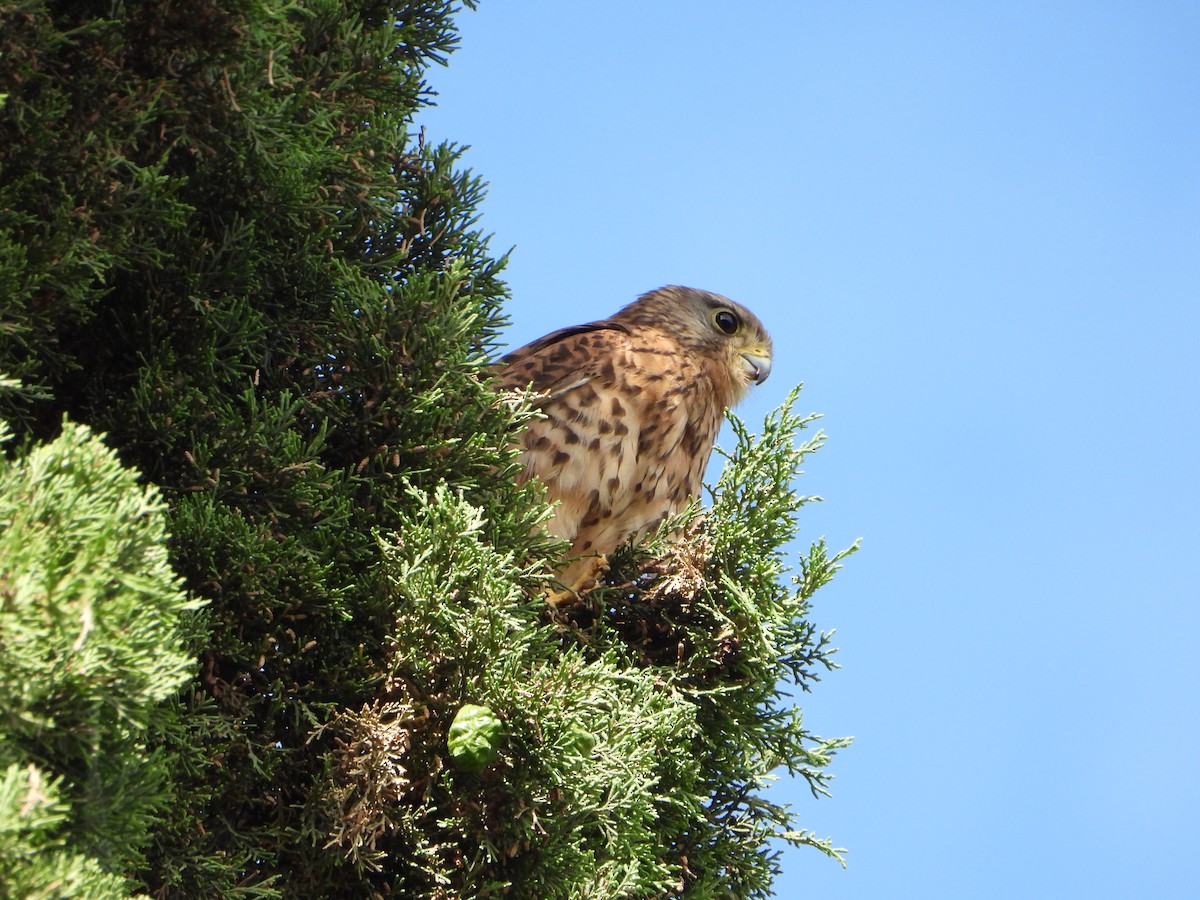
631,408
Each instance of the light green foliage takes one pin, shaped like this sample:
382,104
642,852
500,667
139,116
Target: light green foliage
765,626
90,646
640,727
35,863
91,607
570,805
708,607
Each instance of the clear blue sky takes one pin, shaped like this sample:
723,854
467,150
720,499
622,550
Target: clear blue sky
974,231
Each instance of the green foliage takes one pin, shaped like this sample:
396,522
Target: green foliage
709,613
221,247
91,643
36,864
568,807
90,605
640,727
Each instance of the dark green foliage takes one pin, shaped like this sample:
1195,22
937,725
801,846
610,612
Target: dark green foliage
221,247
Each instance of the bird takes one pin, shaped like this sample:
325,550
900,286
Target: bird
630,407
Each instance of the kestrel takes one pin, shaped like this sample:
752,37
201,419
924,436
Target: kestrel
631,406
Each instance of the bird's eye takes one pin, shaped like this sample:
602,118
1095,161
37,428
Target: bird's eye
726,320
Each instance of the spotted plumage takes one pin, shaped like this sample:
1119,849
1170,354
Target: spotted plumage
631,408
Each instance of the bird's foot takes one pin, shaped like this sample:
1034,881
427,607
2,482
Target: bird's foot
587,571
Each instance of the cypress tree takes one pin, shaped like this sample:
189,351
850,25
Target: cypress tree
248,315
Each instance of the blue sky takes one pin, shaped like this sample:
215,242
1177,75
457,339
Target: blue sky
974,232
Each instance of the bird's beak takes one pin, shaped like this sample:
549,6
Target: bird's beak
758,365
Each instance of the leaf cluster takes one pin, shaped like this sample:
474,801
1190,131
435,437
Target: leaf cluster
92,629
640,726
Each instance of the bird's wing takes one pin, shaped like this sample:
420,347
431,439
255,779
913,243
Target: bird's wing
560,362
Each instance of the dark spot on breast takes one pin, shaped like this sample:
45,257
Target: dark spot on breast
693,440
570,436
620,428
604,427
613,484
617,408
561,458
598,515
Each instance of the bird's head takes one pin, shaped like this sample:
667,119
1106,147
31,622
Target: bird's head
711,327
